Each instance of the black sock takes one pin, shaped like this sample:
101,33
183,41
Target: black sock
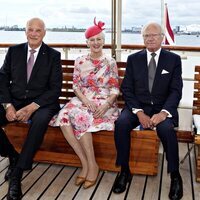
175,174
17,172
13,154
125,168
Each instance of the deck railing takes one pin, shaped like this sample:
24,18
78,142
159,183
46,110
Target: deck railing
190,56
69,49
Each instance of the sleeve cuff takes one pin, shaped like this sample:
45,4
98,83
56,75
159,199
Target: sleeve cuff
169,114
36,105
135,110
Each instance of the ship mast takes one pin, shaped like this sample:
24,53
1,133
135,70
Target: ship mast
162,14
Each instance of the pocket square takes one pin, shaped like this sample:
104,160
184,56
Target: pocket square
164,72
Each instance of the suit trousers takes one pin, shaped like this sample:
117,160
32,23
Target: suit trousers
165,130
6,148
38,126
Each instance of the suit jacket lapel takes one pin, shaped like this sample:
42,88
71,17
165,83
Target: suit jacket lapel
24,63
145,64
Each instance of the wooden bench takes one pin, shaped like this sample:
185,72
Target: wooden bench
55,149
196,110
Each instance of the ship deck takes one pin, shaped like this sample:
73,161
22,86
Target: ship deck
49,182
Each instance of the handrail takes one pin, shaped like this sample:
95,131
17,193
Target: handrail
108,46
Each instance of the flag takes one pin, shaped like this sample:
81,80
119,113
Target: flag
169,35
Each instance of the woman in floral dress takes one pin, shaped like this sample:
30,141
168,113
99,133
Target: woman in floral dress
95,84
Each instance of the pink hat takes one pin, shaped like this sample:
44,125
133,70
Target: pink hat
94,30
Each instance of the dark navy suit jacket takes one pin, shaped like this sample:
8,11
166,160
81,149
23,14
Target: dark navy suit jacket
44,86
167,88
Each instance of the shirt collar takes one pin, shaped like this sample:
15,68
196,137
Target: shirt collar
157,52
37,49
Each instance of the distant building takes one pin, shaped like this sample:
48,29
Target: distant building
176,29
14,26
136,29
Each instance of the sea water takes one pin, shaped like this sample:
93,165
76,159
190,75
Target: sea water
78,38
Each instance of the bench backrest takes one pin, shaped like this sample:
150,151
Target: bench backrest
196,101
67,91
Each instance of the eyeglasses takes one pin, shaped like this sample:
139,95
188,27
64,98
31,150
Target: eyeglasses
151,35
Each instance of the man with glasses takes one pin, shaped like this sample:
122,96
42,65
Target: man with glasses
152,90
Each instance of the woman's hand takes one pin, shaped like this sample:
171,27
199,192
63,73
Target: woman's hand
101,110
90,105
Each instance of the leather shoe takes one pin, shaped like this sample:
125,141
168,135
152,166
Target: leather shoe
13,163
121,181
79,180
14,189
176,188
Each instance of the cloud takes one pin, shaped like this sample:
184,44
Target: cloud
80,13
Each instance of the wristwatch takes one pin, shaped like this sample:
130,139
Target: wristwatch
6,105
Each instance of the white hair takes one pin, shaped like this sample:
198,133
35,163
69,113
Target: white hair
158,26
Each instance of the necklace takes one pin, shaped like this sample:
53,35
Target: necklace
96,61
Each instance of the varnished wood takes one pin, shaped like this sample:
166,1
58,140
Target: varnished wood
196,110
55,149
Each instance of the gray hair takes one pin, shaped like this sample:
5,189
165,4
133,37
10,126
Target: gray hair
158,26
36,19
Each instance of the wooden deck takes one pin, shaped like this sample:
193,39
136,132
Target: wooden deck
49,182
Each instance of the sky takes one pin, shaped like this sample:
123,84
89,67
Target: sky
80,13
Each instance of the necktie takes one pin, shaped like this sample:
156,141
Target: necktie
152,70
30,64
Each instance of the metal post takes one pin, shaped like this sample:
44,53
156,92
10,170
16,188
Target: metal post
162,13
66,53
119,30
113,29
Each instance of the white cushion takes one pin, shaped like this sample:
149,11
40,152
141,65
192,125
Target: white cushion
196,120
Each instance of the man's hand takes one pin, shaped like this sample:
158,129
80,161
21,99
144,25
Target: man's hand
159,117
24,113
11,113
144,119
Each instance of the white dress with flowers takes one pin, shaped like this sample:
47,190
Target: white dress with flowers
97,79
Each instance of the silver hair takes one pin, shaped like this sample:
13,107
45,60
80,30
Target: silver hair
152,24
35,18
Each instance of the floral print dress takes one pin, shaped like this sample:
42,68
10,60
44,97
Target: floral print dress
97,80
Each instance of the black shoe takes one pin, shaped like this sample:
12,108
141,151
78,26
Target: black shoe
13,163
121,181
14,190
176,188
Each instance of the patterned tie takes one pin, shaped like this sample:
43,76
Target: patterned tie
30,63
152,70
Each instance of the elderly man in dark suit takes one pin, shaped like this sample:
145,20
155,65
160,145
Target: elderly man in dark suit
31,79
152,89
